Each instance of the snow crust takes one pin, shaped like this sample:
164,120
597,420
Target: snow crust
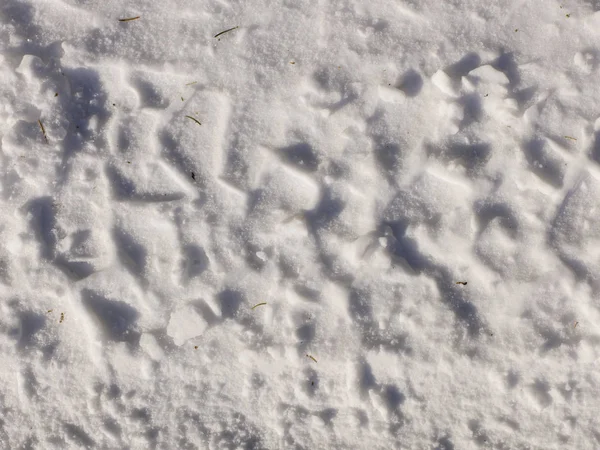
340,225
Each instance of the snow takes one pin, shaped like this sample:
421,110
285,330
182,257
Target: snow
340,225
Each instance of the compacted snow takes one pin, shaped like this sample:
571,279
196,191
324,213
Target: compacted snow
341,224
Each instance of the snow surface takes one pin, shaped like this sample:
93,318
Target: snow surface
346,163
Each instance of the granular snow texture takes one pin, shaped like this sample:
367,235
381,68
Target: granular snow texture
340,224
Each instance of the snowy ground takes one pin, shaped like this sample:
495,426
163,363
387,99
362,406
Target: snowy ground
345,162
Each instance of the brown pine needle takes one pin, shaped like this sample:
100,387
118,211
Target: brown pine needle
259,304
226,31
43,131
129,19
311,357
195,120
571,137
464,283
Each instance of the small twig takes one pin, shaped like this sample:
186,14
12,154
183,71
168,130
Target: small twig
311,357
195,120
259,304
464,283
571,137
575,326
226,31
129,19
43,131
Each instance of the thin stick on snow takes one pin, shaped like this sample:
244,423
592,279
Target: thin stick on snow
226,31
259,304
43,131
195,120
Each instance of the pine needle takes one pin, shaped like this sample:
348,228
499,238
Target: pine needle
129,19
258,304
226,31
311,357
571,137
195,120
43,131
